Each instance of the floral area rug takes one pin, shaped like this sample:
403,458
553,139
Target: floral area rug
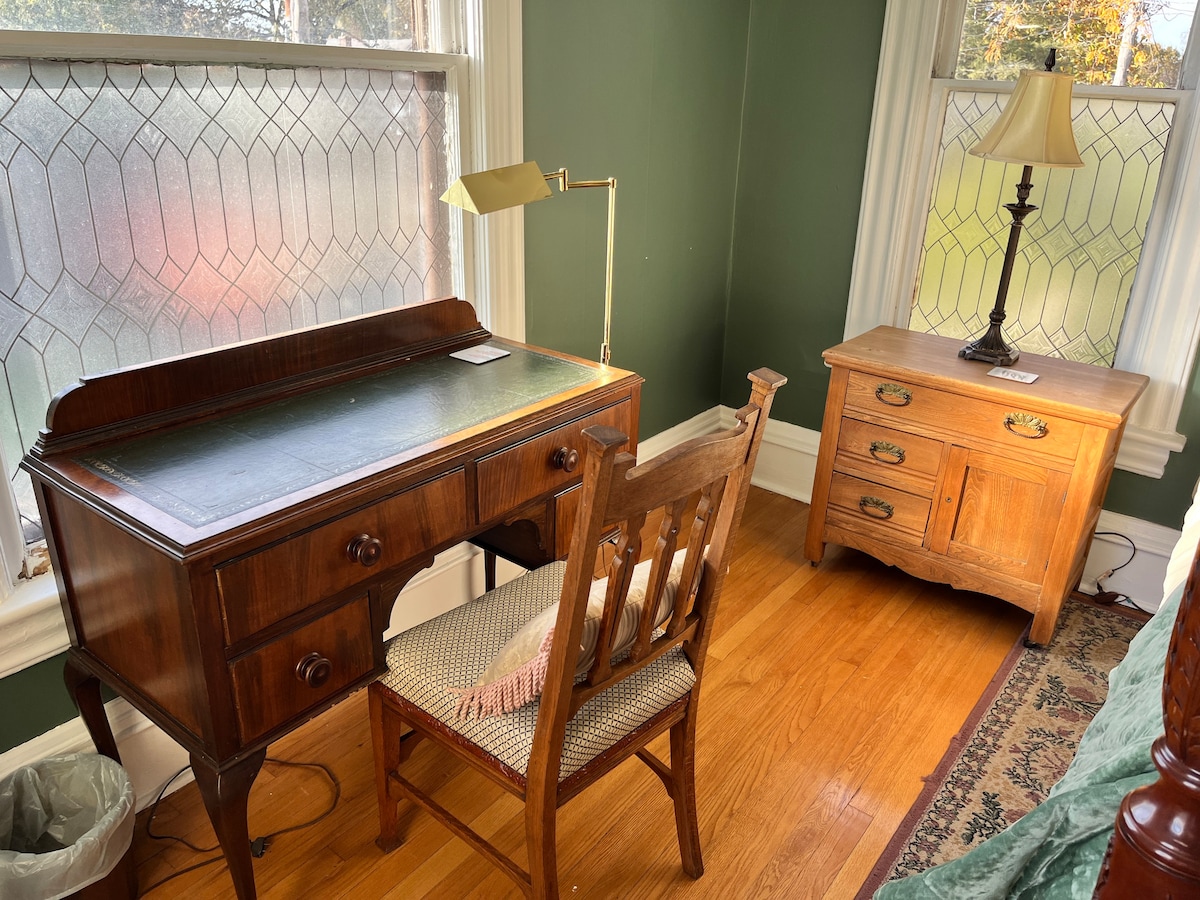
1017,742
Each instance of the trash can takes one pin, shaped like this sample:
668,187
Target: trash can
66,827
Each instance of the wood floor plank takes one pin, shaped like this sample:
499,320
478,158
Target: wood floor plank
829,692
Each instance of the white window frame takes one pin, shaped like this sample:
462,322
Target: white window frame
1162,325
487,80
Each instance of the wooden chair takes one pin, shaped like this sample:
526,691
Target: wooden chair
588,721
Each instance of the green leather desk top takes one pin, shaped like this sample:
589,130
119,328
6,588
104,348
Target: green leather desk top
204,472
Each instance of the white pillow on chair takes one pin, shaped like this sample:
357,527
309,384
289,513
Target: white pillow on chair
516,673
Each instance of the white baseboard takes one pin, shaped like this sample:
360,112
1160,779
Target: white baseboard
786,465
1140,578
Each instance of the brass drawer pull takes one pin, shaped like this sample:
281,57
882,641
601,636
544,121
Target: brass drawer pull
364,550
565,458
1026,425
886,452
892,394
314,670
876,507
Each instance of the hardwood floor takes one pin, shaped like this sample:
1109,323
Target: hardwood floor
830,691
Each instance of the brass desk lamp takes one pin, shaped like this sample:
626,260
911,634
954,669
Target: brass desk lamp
485,192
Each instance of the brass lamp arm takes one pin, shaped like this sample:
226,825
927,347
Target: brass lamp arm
565,184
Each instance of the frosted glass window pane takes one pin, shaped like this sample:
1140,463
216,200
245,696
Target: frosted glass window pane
1078,253
152,210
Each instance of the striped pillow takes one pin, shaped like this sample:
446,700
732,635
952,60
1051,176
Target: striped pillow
517,672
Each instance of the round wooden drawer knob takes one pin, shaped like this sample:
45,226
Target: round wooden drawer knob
566,459
364,550
314,670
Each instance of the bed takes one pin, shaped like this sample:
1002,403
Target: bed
1069,847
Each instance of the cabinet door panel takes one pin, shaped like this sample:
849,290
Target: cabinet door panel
999,513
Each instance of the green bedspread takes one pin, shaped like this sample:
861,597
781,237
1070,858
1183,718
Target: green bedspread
1054,852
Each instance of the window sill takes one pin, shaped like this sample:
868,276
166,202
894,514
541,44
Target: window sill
32,627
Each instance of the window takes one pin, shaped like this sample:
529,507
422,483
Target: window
1079,252
1102,265
186,193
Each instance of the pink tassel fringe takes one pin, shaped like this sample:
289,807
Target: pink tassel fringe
504,695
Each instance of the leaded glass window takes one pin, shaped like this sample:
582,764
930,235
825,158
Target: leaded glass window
151,210
1078,252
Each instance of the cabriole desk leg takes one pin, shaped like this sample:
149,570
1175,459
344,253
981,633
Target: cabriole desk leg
225,796
84,688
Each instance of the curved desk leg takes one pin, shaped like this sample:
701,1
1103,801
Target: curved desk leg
225,795
84,688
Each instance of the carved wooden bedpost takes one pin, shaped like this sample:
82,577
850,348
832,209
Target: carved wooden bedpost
1155,847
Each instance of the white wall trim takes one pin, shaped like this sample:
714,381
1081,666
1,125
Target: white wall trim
1142,577
787,458
32,627
1162,327
879,280
494,245
697,426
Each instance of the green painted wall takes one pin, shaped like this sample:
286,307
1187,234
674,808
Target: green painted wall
649,91
810,87
33,701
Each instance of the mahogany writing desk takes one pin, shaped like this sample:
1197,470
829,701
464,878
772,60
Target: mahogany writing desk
229,529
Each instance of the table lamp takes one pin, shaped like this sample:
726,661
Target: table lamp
1033,130
485,192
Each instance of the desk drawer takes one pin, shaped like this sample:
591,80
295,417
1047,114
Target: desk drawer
931,411
301,670
518,474
270,585
875,506
888,456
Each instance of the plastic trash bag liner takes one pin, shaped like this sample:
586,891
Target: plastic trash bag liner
65,823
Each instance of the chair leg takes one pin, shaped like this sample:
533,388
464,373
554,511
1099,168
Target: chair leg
386,728
540,839
683,791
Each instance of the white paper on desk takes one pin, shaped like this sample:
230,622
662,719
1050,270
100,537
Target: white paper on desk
479,354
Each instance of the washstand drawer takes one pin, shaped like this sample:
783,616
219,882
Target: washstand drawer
302,669
291,576
878,505
542,464
884,454
932,411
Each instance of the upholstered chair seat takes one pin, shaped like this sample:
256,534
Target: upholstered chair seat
428,664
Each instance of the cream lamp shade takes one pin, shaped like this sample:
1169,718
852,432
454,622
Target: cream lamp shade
1035,127
485,192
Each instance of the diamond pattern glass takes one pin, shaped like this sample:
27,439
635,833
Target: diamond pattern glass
152,210
1078,252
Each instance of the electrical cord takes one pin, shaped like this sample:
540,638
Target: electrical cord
1110,597
259,845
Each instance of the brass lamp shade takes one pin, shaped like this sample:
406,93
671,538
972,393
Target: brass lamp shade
1035,127
495,189
509,186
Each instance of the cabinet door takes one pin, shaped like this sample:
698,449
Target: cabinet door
997,512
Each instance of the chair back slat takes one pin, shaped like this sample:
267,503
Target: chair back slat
660,573
700,487
629,547
689,579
